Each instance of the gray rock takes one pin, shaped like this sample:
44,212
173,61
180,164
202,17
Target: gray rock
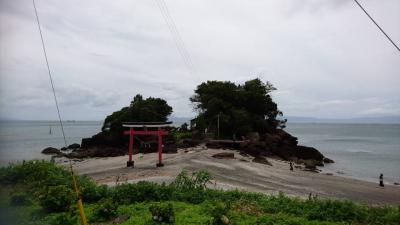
328,160
224,155
74,146
310,163
262,160
51,151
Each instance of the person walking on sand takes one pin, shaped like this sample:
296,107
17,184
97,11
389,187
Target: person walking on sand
381,180
291,166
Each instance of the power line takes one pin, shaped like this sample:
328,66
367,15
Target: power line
178,34
49,72
75,186
175,36
180,45
387,36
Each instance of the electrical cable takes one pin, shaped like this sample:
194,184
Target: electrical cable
370,17
75,186
176,36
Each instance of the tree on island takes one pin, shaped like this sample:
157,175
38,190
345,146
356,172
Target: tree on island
140,110
240,108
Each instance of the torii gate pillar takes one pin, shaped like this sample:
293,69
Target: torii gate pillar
159,133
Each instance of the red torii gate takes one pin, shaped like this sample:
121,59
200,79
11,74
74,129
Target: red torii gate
159,133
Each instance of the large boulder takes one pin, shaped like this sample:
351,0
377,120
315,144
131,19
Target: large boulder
224,155
281,144
310,164
102,139
253,136
304,152
51,151
97,152
74,146
328,160
279,137
188,143
224,144
262,160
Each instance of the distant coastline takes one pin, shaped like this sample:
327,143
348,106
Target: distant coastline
357,120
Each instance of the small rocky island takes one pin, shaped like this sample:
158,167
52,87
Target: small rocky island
240,117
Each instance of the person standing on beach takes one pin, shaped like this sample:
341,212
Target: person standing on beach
381,180
291,166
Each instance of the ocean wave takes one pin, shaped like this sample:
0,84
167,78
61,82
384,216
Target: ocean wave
359,151
364,140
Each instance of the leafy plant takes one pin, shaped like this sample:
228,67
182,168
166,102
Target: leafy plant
56,199
105,210
162,212
48,186
198,180
66,218
219,211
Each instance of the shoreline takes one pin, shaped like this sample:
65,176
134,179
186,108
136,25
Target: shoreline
240,173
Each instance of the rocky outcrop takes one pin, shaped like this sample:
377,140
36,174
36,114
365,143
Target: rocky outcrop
188,143
102,139
105,144
327,160
103,151
223,144
304,152
224,155
279,143
262,160
310,164
51,151
74,146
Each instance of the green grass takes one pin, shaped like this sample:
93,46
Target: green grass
35,181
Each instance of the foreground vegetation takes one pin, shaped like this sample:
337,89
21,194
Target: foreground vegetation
39,192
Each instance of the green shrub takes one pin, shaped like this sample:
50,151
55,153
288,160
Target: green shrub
191,188
50,185
162,212
105,210
139,192
198,180
219,211
179,136
90,191
142,191
35,172
57,199
64,219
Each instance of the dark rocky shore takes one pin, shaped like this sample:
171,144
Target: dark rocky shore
279,144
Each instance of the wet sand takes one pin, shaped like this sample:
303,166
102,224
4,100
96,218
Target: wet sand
240,173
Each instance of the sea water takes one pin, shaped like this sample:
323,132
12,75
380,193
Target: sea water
24,140
360,151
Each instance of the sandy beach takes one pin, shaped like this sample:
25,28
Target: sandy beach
240,173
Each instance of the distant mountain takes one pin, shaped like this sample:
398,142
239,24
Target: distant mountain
375,120
177,121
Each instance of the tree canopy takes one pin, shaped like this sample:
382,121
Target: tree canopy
240,108
140,110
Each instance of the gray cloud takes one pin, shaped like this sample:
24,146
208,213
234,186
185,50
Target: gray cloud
325,57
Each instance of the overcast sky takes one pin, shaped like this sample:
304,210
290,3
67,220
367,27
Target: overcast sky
325,57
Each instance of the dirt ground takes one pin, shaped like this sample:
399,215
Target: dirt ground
240,173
